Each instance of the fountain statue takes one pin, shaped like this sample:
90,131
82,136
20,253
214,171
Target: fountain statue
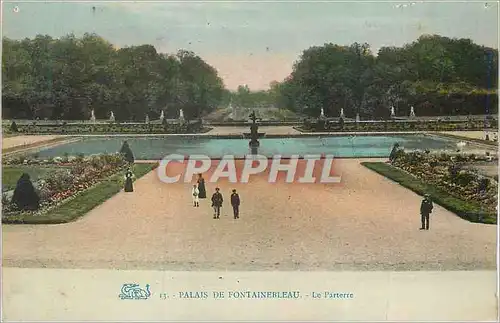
162,116
358,119
147,119
412,112
393,113
254,135
342,113
112,117
181,114
322,115
92,116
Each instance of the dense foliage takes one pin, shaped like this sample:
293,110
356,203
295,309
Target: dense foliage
437,75
452,174
68,77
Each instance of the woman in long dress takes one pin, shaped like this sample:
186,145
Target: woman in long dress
201,187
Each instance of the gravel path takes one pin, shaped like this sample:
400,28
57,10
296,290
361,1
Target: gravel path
366,222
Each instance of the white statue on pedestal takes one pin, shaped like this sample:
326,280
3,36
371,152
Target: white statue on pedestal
393,113
147,118
92,116
181,114
322,115
342,113
412,112
112,117
162,116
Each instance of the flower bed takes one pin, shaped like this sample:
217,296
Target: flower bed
448,172
73,176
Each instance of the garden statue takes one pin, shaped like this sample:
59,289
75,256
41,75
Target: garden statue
322,115
412,112
92,116
342,113
127,152
393,112
25,196
357,117
162,116
112,117
181,114
129,187
254,135
147,119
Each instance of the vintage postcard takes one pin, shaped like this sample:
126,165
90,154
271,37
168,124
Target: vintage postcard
249,160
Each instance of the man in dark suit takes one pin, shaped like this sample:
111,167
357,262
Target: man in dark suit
425,210
235,202
217,203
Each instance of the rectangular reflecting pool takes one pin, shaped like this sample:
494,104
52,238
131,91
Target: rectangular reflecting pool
153,147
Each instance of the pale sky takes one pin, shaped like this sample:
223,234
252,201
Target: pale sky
253,43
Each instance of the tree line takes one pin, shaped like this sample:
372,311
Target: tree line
67,78
437,75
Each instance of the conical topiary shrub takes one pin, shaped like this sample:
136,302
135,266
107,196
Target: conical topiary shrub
25,196
13,127
127,152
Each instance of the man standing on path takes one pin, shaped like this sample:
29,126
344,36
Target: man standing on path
235,202
217,202
425,210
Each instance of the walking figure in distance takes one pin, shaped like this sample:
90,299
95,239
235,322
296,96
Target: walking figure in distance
425,210
235,202
217,202
196,193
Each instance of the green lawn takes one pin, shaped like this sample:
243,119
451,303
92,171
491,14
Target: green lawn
74,208
11,174
465,209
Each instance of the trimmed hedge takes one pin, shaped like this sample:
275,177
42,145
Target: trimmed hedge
466,210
